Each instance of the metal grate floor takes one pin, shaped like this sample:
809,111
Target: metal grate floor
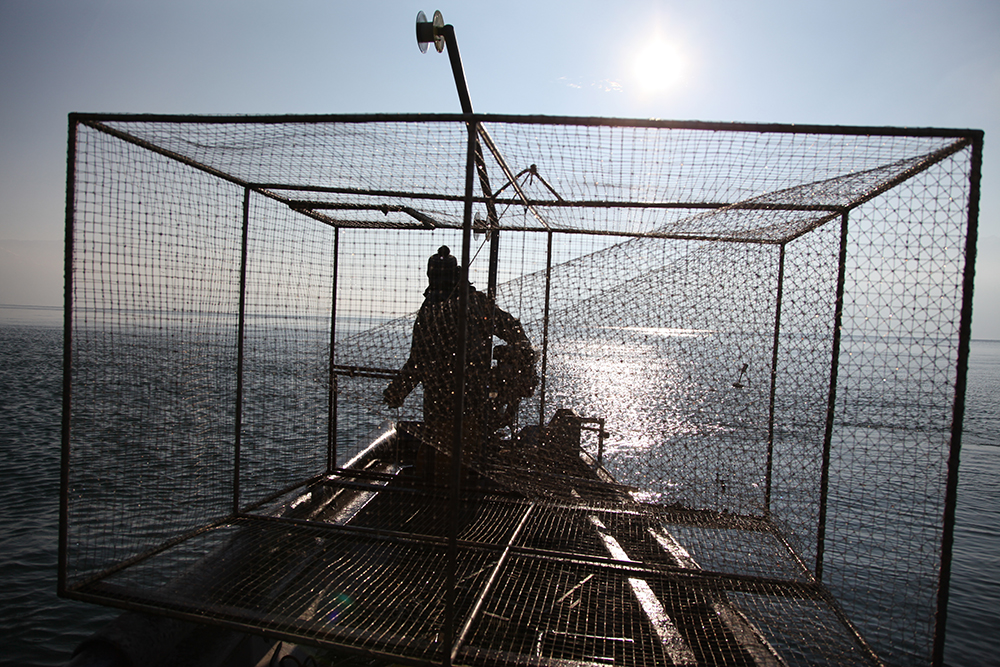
359,561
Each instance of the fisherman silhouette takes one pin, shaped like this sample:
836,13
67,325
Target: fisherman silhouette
491,395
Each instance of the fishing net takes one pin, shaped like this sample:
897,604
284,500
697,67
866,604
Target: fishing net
511,390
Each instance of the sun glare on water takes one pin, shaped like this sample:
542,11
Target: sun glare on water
658,66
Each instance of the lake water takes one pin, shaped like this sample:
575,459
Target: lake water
41,629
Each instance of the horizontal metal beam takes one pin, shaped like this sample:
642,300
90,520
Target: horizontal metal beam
365,372
516,201
763,128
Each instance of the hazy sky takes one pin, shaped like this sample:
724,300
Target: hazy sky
848,62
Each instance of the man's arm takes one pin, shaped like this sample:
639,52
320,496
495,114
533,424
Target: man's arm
402,384
411,373
508,328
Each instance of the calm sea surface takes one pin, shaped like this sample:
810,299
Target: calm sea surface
38,628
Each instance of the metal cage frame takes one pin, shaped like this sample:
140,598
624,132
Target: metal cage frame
320,204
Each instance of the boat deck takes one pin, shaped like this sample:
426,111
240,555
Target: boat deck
358,561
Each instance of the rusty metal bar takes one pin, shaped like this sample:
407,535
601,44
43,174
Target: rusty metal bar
460,368
537,119
958,411
67,379
332,393
545,331
240,336
832,399
774,382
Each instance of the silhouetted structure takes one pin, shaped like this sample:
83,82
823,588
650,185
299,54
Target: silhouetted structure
239,294
490,398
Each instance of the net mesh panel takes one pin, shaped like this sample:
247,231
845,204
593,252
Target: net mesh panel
289,285
896,385
265,326
153,374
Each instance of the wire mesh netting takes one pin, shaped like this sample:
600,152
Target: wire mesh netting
499,390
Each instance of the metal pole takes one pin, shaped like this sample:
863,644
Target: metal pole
832,400
67,356
774,381
456,68
491,283
958,411
241,334
493,221
539,119
460,368
487,588
331,430
545,329
473,157
494,231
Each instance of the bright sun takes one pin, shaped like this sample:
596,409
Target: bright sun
658,66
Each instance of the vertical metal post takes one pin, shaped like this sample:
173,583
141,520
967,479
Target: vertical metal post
774,381
458,72
493,229
491,285
241,334
600,440
473,157
460,368
332,396
67,356
958,411
545,330
832,399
